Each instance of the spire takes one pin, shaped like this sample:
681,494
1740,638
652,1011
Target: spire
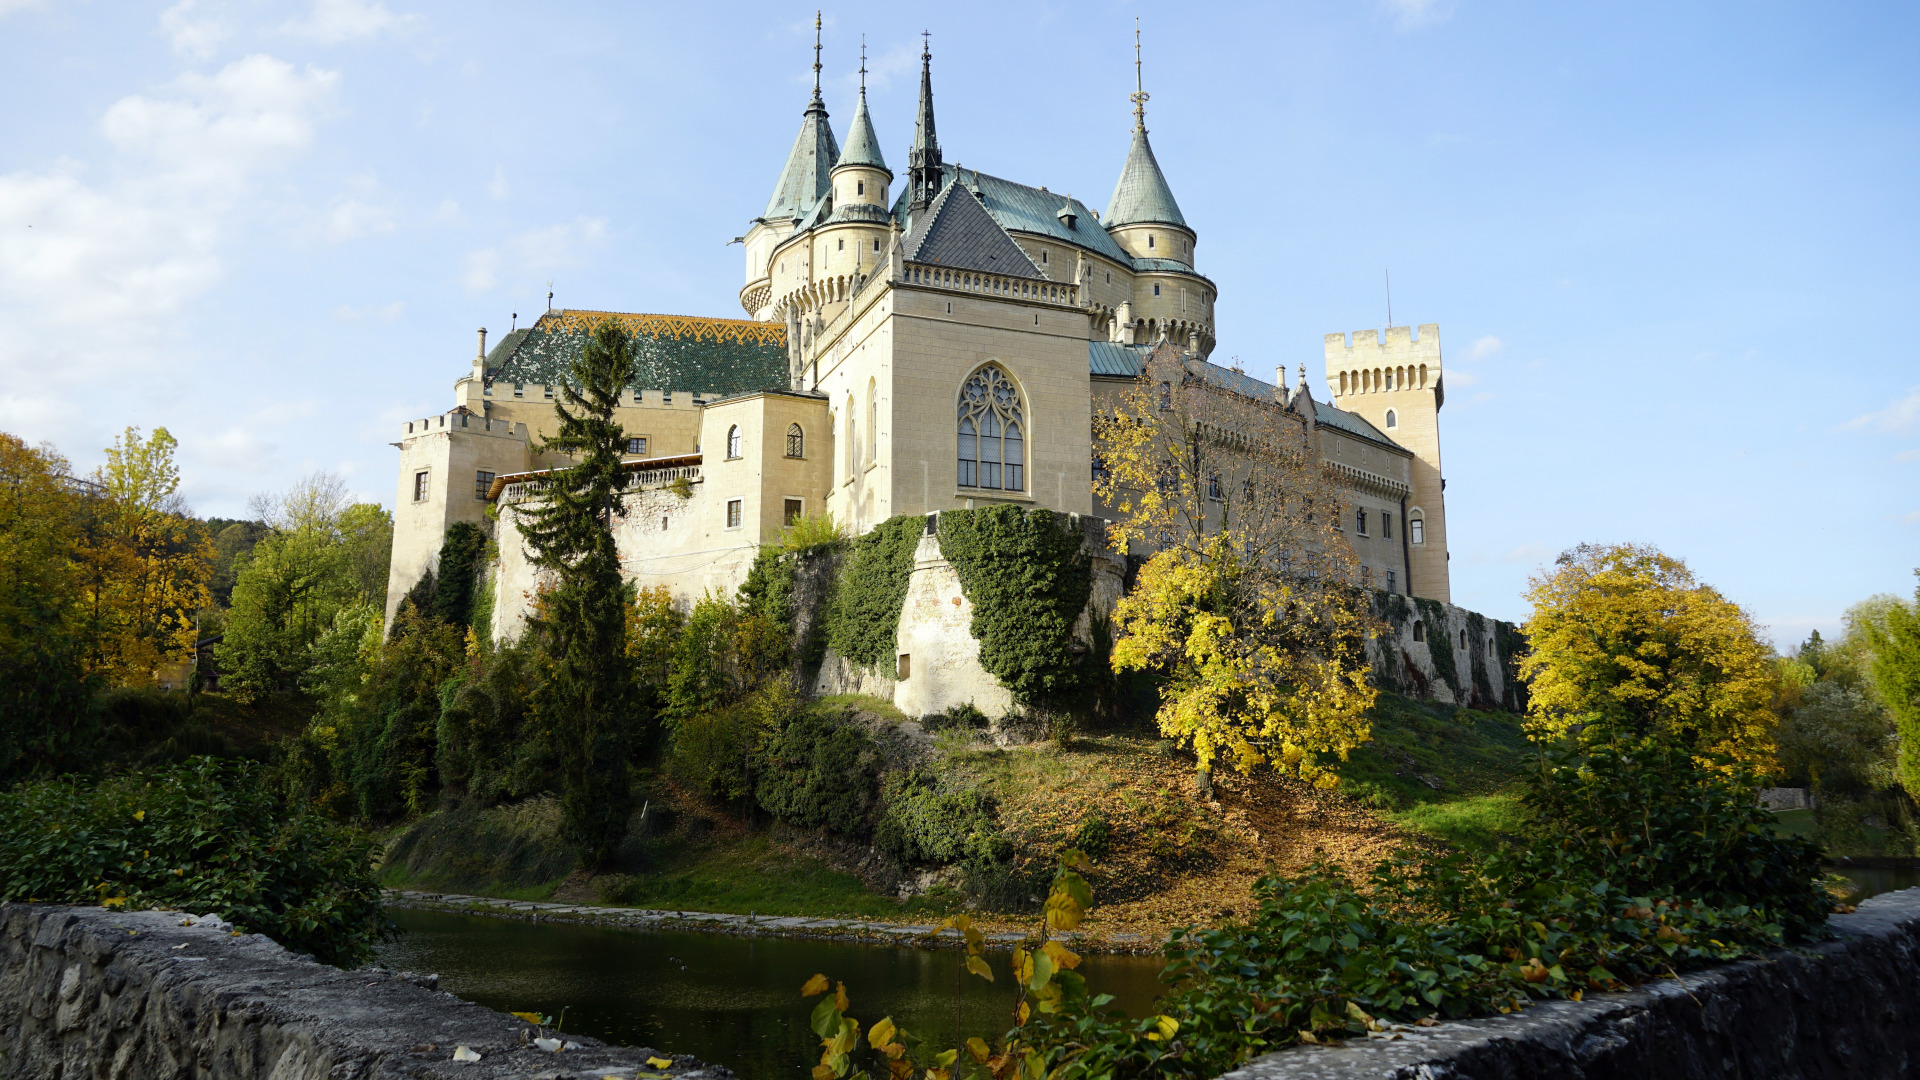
923,161
805,180
863,146
1142,196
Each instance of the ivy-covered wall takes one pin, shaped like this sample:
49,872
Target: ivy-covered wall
1028,578
1434,667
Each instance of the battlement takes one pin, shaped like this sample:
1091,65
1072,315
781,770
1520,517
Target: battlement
1367,345
1370,365
466,421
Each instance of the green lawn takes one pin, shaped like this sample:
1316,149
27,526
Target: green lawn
752,874
1440,770
1476,822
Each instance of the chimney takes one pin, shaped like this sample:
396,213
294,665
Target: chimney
480,358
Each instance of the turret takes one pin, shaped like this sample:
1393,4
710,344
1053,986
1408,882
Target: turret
804,181
861,175
923,161
1143,217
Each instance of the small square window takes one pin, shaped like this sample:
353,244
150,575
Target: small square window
519,390
1416,531
1390,584
733,513
637,444
666,397
420,487
482,483
1156,290
842,246
793,510
904,664
549,389
663,523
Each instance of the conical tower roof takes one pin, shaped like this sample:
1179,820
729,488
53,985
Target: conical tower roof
807,178
863,146
1142,196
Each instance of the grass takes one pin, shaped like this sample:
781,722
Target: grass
1474,822
1794,823
754,874
865,703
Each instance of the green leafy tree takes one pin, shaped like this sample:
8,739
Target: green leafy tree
1895,667
587,697
44,686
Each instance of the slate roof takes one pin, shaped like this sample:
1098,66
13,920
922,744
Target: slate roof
806,176
1142,195
863,146
957,231
1127,361
676,352
1019,208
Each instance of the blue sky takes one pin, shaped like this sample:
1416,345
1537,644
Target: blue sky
1670,246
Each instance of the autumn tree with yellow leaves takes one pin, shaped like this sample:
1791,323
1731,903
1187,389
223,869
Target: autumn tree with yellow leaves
1250,603
1623,639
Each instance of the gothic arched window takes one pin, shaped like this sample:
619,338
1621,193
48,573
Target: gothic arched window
733,442
992,429
796,441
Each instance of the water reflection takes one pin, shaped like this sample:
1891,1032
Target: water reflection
733,1001
1874,880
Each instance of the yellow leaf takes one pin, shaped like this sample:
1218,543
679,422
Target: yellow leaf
139,815
656,1062
1024,1012
534,1018
1063,957
1164,1028
979,967
978,1050
881,1033
840,997
1063,912
816,985
823,1072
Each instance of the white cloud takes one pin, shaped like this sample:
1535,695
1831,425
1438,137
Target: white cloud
335,21
385,313
1899,416
1907,455
534,251
1461,379
350,219
8,7
93,276
198,38
1528,553
497,187
1485,346
449,210
1413,14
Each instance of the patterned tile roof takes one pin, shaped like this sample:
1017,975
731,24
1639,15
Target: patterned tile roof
957,231
676,352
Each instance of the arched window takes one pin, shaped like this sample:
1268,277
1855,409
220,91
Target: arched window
873,422
733,442
796,441
992,432
1416,528
1419,630
1393,419
853,438
1463,641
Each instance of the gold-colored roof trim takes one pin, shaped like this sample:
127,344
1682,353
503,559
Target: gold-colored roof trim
696,327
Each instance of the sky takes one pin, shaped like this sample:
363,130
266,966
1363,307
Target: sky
1669,245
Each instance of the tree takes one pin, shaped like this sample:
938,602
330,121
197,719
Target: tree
44,686
1625,641
588,692
290,587
1895,642
1250,603
146,562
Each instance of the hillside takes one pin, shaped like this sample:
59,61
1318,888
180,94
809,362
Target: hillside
1431,775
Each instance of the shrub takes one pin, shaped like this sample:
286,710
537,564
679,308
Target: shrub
925,824
487,746
819,771
714,751
205,836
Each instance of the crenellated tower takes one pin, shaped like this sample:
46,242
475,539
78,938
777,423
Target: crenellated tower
1397,386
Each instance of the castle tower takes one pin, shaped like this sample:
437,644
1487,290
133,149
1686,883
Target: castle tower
861,175
803,182
923,161
1396,386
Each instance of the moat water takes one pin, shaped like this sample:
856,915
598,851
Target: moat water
732,1001
735,1001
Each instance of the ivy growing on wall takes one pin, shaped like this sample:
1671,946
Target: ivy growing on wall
1028,581
460,555
1477,641
1512,646
865,616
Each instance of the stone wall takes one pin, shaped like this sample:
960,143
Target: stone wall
1440,652
1844,1008
155,995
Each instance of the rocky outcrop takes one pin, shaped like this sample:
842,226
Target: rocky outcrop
154,995
1849,1007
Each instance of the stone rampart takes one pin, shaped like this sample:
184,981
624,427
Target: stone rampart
154,995
1843,1008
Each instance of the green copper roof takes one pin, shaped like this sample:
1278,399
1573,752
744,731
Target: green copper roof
863,146
1142,197
807,175
676,352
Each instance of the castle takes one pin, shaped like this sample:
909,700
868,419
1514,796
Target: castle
938,344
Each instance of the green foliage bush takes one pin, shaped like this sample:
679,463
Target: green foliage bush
928,824
459,564
205,836
714,752
821,771
1028,581
865,616
488,746
385,739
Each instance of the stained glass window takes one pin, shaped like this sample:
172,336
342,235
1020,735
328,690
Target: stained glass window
992,430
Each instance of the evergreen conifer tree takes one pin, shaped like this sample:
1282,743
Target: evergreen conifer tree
586,692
